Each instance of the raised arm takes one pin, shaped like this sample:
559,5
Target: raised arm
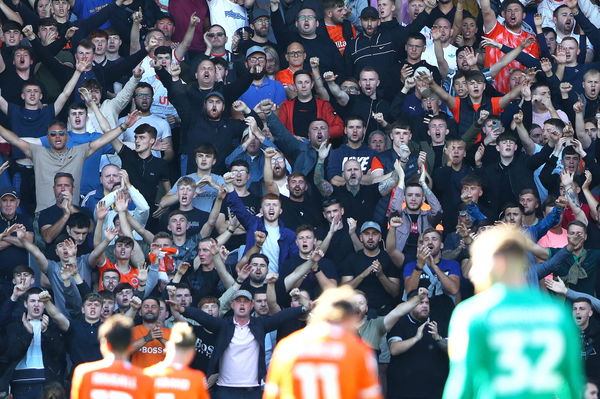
511,95
38,256
268,171
489,16
395,254
340,95
528,144
403,308
186,42
91,104
97,257
62,98
60,319
438,50
12,139
589,197
319,86
443,94
112,135
387,185
324,187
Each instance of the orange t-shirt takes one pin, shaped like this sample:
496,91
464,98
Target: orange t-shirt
496,108
322,361
152,352
130,277
177,383
285,77
107,379
336,33
493,55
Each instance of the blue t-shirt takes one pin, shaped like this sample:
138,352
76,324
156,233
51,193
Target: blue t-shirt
29,123
364,155
270,89
86,8
90,177
447,266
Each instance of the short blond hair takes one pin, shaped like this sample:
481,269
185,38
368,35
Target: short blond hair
502,244
334,305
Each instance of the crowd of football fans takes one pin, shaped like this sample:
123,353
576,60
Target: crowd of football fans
202,161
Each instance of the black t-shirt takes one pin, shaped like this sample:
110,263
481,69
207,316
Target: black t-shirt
144,174
339,247
310,283
421,371
202,283
252,204
413,237
12,256
304,114
379,299
205,345
439,153
360,207
12,85
296,213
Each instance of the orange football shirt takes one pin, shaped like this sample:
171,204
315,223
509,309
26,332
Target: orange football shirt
177,382
322,361
108,379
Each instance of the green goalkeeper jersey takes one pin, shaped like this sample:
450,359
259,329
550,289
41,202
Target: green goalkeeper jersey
513,343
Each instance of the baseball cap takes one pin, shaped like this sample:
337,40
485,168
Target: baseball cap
369,13
255,49
166,15
245,293
9,191
260,13
216,94
370,225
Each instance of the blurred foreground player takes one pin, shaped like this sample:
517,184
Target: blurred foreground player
511,341
326,359
172,377
114,376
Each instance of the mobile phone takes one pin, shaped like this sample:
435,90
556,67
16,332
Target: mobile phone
496,124
247,29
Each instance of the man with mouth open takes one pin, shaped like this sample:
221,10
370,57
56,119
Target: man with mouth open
60,158
240,335
280,244
510,33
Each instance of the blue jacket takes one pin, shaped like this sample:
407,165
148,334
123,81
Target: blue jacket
287,238
303,154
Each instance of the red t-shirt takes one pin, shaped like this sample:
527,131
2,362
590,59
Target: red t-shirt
510,39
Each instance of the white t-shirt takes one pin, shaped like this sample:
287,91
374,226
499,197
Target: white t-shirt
449,55
160,103
271,248
229,15
163,130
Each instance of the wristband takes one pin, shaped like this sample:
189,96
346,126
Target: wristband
231,231
420,269
240,282
147,338
123,127
318,270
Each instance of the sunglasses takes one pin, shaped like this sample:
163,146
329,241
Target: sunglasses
217,34
55,133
